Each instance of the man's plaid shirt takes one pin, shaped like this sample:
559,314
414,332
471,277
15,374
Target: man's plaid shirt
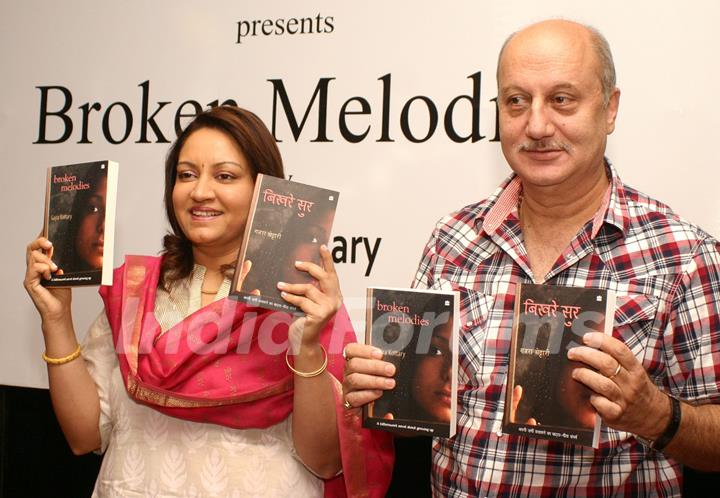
665,273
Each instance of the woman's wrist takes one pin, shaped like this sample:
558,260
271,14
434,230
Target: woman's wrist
59,334
52,322
309,353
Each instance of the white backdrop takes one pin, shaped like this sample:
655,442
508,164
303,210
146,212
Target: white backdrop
104,52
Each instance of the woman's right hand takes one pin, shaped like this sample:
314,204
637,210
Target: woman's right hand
366,374
53,304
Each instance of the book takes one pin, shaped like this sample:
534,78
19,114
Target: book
288,222
417,330
542,399
80,222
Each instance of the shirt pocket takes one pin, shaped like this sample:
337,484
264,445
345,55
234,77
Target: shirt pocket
634,318
635,325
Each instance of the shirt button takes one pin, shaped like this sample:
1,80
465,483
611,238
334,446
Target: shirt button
498,429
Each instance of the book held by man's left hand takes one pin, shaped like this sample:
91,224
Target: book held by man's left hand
80,222
542,399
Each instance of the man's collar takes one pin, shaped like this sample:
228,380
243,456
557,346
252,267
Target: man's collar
613,210
505,202
617,213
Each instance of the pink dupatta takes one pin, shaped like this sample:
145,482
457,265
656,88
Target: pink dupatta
225,364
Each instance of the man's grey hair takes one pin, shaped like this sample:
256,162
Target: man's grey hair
602,49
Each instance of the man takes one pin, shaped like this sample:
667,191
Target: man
565,218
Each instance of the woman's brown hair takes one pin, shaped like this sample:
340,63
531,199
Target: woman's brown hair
257,145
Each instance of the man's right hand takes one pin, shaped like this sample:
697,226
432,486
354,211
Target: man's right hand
366,374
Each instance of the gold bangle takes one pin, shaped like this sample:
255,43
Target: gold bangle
308,374
65,359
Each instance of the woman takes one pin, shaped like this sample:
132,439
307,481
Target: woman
86,230
89,231
423,378
194,402
432,378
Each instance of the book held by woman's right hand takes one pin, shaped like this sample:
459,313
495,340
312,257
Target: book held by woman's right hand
80,222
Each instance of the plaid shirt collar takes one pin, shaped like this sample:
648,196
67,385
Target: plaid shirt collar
502,206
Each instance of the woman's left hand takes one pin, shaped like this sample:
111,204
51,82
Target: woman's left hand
319,303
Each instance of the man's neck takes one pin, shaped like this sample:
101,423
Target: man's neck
546,207
551,218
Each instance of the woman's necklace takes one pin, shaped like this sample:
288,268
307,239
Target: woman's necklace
207,292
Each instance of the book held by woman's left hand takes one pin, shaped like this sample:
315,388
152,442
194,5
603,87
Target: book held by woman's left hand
288,222
80,222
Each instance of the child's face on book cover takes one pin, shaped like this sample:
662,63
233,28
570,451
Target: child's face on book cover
212,191
432,387
89,243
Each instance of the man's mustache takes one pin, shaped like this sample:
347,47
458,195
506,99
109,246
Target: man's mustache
543,146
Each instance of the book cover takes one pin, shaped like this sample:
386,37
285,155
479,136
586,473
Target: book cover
288,222
542,400
80,222
417,330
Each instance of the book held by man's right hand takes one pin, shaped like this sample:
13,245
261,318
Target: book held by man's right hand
417,331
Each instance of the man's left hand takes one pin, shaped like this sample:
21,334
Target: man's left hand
623,394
